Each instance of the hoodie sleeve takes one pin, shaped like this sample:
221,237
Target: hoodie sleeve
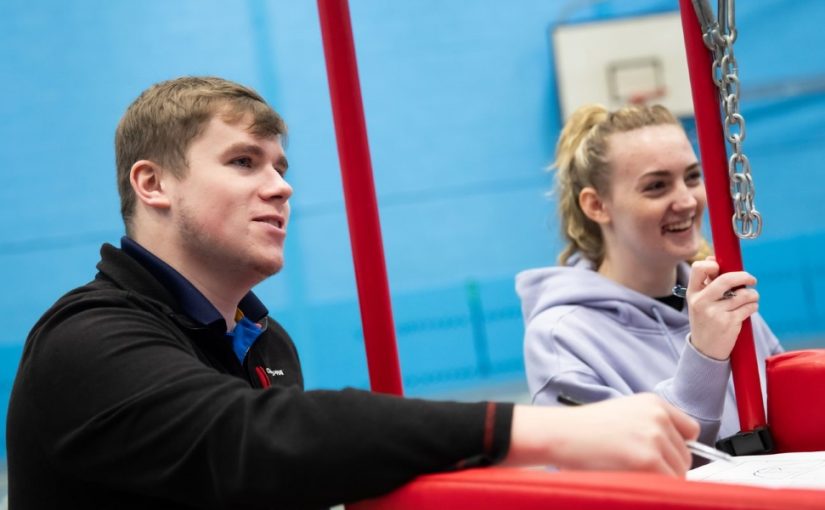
699,384
698,388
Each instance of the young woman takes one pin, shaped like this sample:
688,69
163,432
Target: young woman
605,322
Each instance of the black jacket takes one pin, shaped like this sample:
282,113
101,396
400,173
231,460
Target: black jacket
121,401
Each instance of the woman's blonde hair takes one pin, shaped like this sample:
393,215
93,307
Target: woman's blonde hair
582,161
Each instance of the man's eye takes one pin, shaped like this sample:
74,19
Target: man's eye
243,161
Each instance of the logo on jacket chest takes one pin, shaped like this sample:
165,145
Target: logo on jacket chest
276,372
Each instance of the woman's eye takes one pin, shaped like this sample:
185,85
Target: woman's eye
654,186
694,177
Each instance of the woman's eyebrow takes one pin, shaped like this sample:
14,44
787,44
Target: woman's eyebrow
666,173
655,173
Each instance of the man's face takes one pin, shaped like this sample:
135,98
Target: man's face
231,208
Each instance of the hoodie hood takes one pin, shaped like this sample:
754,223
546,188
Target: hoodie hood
578,284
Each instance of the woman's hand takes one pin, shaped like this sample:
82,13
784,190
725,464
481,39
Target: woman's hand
717,305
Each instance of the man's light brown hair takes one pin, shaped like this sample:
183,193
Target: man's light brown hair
166,118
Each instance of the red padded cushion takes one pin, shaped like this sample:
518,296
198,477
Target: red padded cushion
505,489
796,400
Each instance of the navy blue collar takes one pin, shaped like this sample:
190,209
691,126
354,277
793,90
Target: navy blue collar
192,302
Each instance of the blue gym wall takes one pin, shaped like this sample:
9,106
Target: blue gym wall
462,115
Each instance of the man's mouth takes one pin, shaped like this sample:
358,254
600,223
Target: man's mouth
276,222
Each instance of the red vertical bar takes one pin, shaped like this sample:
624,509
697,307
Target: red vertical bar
726,245
359,195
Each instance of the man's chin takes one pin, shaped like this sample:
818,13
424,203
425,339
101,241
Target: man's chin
269,267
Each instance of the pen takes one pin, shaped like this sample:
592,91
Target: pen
695,447
568,401
708,452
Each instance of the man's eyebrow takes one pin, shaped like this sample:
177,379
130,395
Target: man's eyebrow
254,150
248,148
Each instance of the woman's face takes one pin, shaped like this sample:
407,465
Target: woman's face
656,197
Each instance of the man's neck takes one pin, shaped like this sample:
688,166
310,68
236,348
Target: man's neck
222,289
224,298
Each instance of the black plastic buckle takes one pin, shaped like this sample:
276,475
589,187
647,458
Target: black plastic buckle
755,442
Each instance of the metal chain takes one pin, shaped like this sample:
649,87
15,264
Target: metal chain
719,36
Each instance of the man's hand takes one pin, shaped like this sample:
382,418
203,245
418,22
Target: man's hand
717,306
636,433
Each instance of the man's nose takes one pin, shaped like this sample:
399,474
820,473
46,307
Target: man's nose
277,187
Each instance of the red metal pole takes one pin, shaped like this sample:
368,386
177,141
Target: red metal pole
359,195
720,206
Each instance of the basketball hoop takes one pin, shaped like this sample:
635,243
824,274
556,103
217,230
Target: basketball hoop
647,97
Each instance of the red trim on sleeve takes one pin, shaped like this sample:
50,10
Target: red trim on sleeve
489,427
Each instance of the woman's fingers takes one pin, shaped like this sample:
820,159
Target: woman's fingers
714,286
701,272
734,279
717,305
739,297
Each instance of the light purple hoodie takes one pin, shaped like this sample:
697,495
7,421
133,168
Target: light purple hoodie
591,338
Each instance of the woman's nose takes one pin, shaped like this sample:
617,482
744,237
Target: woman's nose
685,199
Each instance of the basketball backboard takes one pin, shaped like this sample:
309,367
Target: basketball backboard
629,60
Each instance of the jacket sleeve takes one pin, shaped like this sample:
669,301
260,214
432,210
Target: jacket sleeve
123,403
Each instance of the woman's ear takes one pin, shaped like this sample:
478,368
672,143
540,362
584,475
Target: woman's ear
147,182
593,206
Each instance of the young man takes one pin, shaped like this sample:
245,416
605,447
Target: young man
164,383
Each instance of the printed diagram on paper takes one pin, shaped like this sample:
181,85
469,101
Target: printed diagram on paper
803,470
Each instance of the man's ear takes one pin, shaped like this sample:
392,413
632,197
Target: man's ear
146,178
593,206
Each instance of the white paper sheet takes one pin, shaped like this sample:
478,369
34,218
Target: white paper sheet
802,470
